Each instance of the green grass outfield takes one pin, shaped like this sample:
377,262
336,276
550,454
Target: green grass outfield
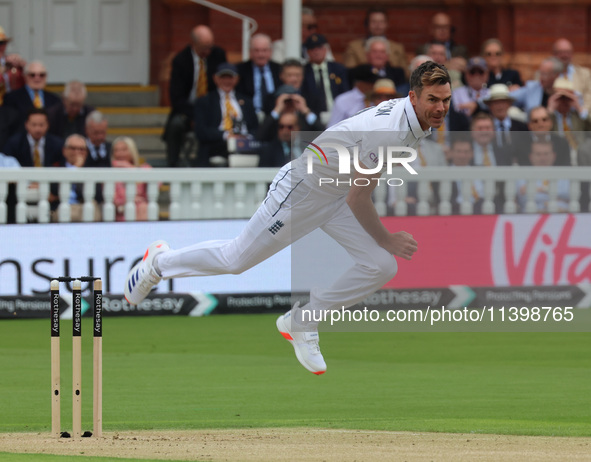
236,371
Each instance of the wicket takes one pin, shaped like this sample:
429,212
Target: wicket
97,307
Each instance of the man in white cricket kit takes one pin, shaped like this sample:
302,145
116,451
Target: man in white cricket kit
299,202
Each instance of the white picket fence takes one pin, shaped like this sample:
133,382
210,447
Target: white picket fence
236,193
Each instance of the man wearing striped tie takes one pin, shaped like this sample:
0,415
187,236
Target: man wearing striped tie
191,77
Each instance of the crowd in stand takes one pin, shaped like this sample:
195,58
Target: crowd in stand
255,105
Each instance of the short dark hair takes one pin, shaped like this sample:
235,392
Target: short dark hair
481,116
427,74
37,110
292,62
459,137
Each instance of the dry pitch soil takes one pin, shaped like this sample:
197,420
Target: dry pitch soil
304,444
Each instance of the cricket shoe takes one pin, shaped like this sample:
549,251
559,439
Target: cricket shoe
143,276
304,343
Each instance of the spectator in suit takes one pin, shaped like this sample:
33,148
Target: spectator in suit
278,151
33,94
11,67
222,114
376,24
191,77
565,109
579,76
455,66
323,80
259,76
542,155
537,92
461,154
309,27
540,125
69,116
492,51
124,154
499,101
99,148
356,99
377,58
288,100
442,31
35,147
468,99
485,148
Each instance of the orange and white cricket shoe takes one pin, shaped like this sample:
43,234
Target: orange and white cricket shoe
305,343
143,276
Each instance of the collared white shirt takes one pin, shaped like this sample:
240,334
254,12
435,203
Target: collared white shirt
325,80
40,148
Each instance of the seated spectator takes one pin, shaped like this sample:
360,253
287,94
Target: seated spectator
75,153
124,154
309,27
32,95
540,125
259,76
461,155
542,155
69,116
455,66
499,101
377,59
353,101
376,24
383,90
323,80
11,67
278,151
579,76
467,99
565,109
220,115
442,31
35,147
537,92
99,148
492,51
191,77
486,151
288,101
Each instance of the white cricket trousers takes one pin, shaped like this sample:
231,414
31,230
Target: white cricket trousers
291,210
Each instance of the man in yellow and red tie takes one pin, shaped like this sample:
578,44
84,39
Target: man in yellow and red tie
191,77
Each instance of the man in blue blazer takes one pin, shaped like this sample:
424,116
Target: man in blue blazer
223,114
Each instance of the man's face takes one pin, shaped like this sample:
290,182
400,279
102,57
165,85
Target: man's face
437,53
542,155
499,108
36,126
377,24
493,56
36,76
461,153
547,75
540,121
563,50
96,132
377,56
483,131
317,54
441,28
226,82
75,151
431,105
476,78
293,76
287,123
73,105
565,102
260,51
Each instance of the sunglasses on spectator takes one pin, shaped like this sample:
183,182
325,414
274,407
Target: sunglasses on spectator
543,119
312,26
476,71
77,148
289,127
37,74
493,53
